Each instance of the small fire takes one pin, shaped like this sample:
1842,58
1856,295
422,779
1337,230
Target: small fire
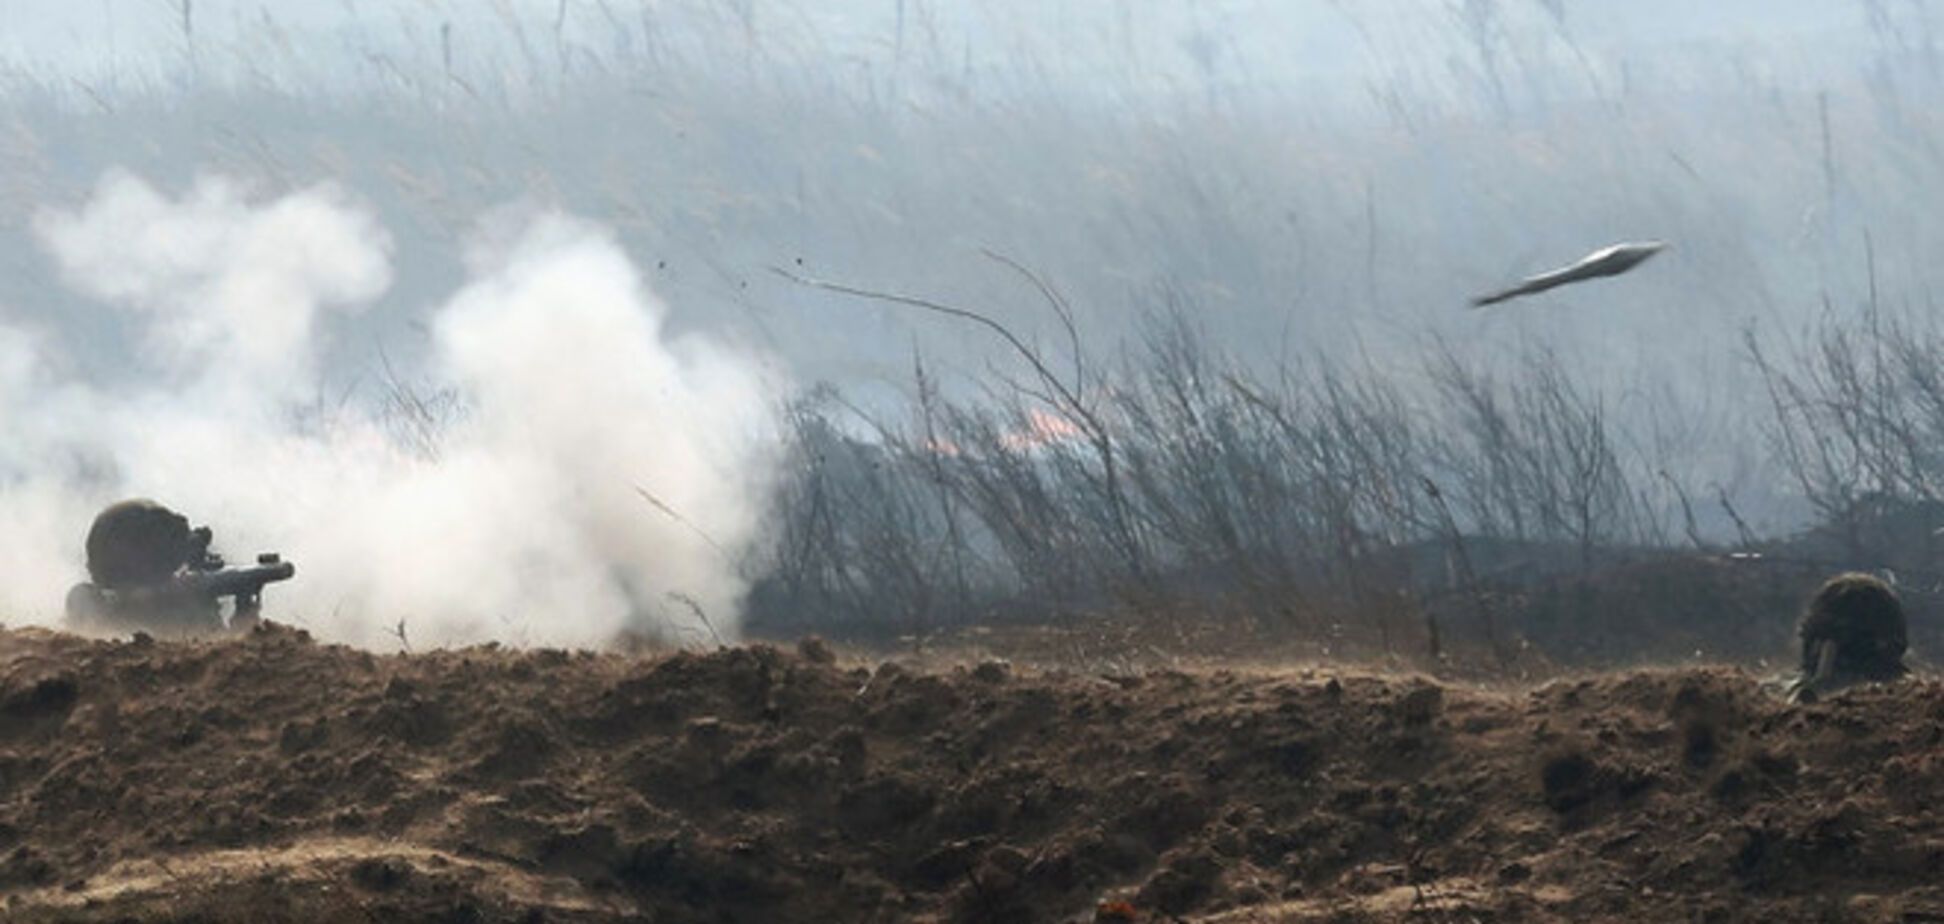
1042,429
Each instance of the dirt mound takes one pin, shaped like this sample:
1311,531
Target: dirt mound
271,778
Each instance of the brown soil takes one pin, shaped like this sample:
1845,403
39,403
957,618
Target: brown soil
270,778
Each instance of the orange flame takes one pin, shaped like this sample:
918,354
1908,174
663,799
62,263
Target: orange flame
1042,429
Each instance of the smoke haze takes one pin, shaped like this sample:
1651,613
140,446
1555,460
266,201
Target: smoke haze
256,260
501,498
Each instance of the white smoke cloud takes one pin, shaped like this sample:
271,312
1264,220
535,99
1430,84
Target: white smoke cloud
521,518
230,292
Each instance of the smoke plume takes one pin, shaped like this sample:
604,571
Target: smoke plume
558,469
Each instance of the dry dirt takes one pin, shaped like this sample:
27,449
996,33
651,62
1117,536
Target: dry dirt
272,778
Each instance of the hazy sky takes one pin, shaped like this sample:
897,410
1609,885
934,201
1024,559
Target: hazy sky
1094,40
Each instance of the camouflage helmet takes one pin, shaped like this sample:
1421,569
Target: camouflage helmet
1863,615
137,542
